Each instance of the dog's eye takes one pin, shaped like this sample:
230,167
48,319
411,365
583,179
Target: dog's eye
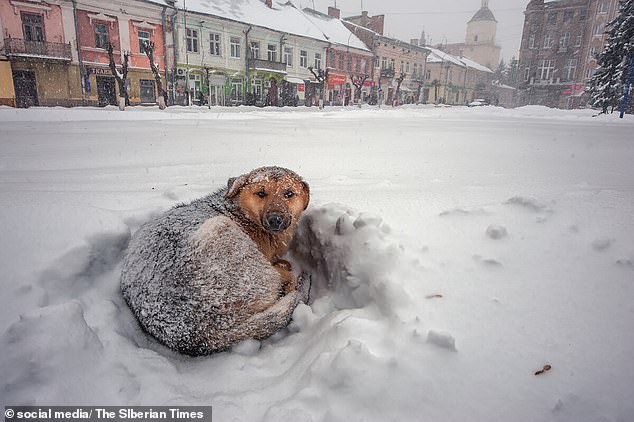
261,194
289,194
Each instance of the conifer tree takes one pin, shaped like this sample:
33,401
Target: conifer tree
607,84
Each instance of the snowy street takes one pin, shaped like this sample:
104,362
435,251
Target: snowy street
478,245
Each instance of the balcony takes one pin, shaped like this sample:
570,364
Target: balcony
267,66
16,47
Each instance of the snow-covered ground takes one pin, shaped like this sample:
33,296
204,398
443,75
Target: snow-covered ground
455,252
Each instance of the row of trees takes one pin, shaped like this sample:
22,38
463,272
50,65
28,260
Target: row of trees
121,75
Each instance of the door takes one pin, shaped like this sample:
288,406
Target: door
25,88
106,91
148,91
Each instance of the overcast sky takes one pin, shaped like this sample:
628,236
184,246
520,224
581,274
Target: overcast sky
442,20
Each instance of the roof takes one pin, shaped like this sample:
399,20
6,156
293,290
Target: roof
335,31
282,17
438,56
484,14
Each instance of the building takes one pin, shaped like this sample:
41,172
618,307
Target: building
57,50
36,54
456,80
399,67
560,41
479,44
348,60
125,25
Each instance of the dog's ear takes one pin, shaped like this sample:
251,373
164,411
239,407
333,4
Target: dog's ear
234,185
307,190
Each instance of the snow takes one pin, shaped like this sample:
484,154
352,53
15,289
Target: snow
454,253
283,16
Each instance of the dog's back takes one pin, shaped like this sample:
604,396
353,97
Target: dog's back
198,283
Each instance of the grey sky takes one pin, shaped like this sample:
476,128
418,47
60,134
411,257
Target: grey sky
442,20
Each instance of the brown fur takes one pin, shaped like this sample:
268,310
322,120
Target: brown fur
256,196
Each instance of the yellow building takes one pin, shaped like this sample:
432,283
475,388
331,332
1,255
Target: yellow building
7,93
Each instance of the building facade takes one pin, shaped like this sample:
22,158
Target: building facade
36,55
560,42
125,26
399,67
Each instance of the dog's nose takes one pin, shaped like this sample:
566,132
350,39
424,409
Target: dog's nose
275,222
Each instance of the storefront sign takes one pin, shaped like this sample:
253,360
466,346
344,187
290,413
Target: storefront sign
300,88
334,79
217,80
98,71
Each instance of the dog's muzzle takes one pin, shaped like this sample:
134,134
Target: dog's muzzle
276,222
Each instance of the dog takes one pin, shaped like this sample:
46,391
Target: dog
207,275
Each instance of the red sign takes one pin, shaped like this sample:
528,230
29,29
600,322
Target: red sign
368,82
334,79
300,88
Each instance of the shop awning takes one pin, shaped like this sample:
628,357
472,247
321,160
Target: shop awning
294,80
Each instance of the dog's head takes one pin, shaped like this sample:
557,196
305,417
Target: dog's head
271,197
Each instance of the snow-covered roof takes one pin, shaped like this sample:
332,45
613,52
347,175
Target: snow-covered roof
438,56
282,17
335,31
474,65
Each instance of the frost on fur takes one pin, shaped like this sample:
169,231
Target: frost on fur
198,283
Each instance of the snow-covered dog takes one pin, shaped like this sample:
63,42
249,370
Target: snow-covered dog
209,274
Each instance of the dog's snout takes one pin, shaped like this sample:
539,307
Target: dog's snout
276,222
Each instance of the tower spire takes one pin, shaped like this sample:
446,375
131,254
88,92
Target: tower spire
485,3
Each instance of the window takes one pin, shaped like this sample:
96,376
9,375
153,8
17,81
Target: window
531,41
317,60
144,37
569,15
303,58
578,42
236,90
255,49
340,61
570,69
603,7
593,53
599,30
546,69
357,65
582,15
415,72
377,62
548,41
384,63
402,66
288,56
564,40
235,47
214,44
349,64
428,75
192,41
271,53
101,35
527,73
407,67
590,72
552,18
32,27
392,64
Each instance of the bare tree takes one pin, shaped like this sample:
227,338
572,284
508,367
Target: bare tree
121,77
322,77
399,81
148,46
358,82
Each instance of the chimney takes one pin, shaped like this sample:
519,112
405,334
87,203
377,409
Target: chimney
269,3
334,12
